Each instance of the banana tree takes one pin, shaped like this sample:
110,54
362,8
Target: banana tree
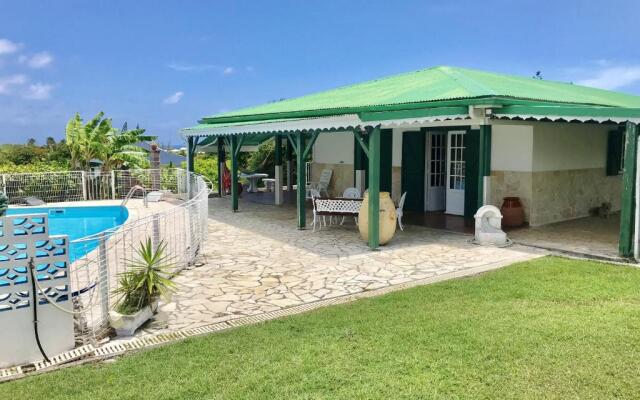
98,139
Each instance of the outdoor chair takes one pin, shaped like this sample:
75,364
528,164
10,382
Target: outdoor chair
322,185
399,210
350,193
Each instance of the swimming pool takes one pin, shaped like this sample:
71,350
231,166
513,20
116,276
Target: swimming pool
78,222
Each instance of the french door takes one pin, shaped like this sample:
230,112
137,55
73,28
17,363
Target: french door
455,173
436,171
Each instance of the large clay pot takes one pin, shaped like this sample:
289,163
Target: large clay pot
512,212
387,218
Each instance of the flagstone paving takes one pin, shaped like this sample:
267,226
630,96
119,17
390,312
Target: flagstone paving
256,261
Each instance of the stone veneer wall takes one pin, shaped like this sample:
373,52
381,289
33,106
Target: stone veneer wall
553,196
569,194
341,179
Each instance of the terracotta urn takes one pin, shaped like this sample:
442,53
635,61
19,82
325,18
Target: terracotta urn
387,222
512,212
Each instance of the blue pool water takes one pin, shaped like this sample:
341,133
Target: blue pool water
78,222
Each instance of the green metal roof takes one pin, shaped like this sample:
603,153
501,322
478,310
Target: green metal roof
432,87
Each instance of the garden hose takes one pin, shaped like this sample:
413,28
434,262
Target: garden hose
34,298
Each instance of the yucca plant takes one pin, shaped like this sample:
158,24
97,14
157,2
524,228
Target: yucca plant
146,279
4,204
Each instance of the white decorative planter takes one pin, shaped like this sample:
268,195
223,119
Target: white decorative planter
126,325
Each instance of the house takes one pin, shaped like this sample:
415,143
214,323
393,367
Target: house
455,139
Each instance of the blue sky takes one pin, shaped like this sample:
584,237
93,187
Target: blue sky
164,64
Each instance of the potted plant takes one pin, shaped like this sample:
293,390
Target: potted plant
4,204
140,287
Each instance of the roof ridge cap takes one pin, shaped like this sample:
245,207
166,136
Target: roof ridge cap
465,81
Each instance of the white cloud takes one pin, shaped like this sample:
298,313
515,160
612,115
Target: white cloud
38,91
613,77
8,83
185,67
174,98
8,47
38,60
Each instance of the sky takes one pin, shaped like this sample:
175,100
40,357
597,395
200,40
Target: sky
165,64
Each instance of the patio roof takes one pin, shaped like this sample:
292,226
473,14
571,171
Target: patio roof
433,94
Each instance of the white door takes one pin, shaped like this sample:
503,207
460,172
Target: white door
455,172
436,171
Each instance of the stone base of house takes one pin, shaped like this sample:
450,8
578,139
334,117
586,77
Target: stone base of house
553,196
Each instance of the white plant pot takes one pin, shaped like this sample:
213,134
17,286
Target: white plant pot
126,325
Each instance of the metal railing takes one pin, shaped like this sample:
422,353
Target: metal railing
132,192
54,187
180,223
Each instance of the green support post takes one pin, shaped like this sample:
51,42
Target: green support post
628,191
220,165
234,172
374,188
278,149
190,154
301,179
289,155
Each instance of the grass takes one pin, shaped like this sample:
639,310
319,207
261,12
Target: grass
549,328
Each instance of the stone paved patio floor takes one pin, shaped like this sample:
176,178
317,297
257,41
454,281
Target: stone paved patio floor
256,262
592,236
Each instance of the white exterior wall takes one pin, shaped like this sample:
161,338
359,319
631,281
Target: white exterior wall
560,147
334,148
512,148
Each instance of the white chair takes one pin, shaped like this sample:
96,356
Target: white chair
399,211
314,194
351,193
322,185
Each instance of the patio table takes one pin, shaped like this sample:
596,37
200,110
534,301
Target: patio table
253,181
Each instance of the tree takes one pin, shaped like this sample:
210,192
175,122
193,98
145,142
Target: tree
98,139
50,142
124,151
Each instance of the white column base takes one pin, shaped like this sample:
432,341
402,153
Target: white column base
279,195
361,176
289,177
486,191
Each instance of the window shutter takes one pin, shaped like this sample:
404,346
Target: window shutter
615,144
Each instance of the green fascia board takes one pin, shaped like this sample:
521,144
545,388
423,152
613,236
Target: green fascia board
250,140
427,88
565,110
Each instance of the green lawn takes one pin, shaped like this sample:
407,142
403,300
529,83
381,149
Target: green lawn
551,328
